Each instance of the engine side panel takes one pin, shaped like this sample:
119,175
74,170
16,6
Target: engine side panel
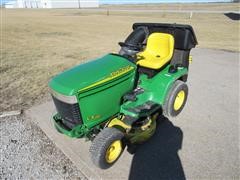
104,102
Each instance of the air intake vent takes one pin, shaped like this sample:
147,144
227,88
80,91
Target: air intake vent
70,113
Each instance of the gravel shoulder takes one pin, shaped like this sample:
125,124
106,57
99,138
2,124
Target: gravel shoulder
26,153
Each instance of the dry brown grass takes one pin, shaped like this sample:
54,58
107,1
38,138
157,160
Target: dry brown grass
181,6
38,44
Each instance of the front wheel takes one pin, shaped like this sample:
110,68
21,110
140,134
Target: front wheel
107,147
176,99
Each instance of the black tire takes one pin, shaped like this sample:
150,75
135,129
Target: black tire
101,144
168,107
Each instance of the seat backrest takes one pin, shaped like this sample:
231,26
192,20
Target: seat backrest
160,44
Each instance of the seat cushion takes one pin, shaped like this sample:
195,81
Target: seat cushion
158,52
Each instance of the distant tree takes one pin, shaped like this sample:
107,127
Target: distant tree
236,1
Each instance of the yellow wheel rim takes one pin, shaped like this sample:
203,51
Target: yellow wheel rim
179,100
113,151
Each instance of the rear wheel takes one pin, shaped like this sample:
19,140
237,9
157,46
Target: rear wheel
176,99
107,147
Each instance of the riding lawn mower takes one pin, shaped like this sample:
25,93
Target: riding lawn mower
115,100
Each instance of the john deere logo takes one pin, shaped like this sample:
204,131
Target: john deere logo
121,71
113,75
94,117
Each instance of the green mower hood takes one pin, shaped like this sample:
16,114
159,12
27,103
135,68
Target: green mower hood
91,75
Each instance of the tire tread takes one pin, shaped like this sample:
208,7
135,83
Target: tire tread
101,143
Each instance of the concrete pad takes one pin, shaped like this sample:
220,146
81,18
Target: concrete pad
77,150
202,142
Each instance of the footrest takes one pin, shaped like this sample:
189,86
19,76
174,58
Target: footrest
132,96
145,109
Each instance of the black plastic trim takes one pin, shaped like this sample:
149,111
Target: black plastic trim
70,113
184,35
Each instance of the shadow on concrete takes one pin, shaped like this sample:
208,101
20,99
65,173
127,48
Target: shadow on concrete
233,16
158,158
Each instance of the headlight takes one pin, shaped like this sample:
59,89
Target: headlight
64,98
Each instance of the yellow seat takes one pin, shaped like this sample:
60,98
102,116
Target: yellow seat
158,52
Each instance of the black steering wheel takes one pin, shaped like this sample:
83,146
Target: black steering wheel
136,47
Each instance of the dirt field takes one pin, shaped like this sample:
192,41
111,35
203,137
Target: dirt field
37,44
